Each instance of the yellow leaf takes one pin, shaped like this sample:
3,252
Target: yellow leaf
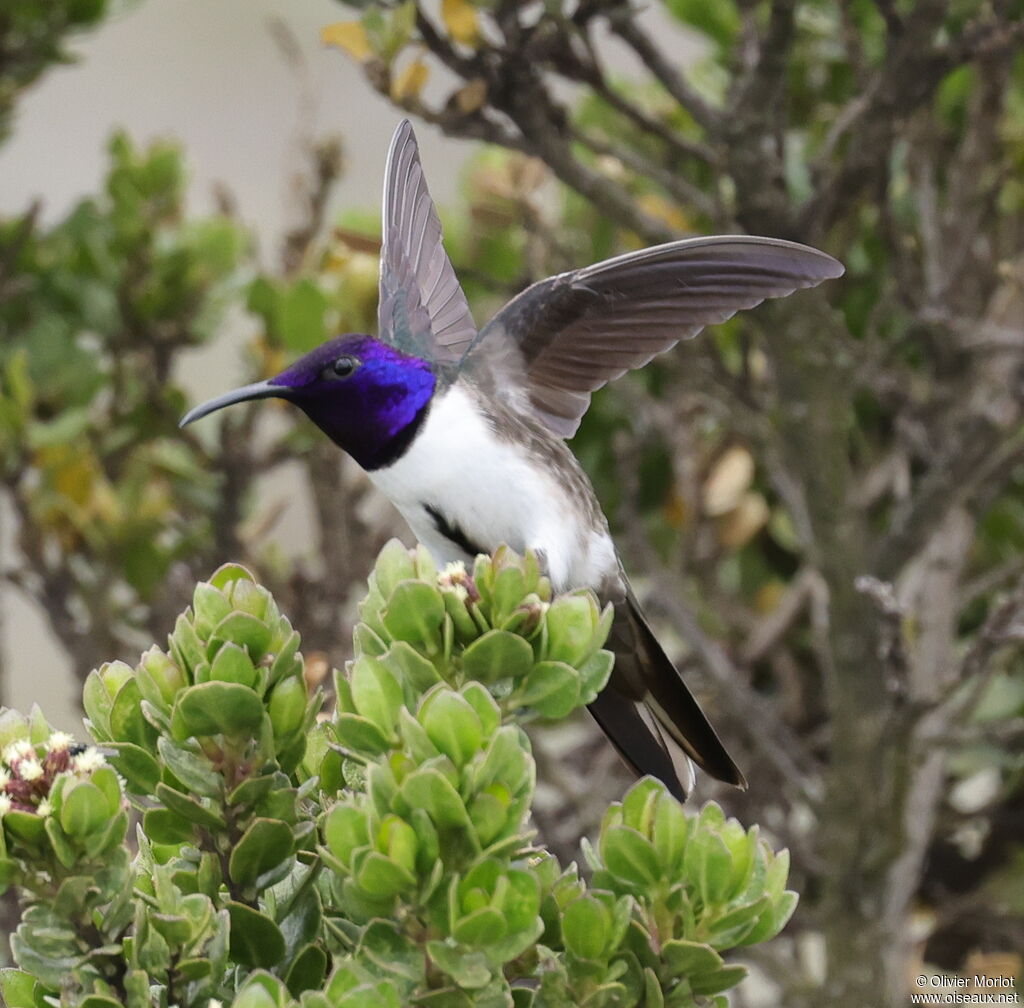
350,36
75,479
105,506
461,21
410,82
728,481
744,521
664,210
677,514
471,97
769,595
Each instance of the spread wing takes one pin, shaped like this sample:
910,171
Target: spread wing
423,310
564,337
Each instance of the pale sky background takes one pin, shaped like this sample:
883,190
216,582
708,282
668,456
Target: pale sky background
209,73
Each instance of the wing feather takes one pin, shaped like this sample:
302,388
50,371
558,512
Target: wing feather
423,309
579,330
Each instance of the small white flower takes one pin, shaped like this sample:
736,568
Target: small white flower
454,570
16,750
5,804
88,760
29,769
59,741
44,808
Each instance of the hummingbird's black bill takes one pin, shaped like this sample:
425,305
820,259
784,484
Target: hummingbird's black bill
257,390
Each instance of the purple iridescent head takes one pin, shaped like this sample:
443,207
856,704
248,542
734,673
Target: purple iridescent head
366,396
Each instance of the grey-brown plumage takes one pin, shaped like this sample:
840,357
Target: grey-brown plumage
647,703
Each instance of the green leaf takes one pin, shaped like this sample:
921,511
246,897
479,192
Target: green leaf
380,877
397,839
723,979
571,624
263,846
25,826
710,858
393,565
669,831
190,809
307,971
194,969
139,769
345,830
489,813
126,721
232,664
552,689
375,692
100,1001
481,927
586,927
451,724
288,660
360,734
629,856
731,928
255,939
470,970
366,641
653,995
487,710
83,809
186,647
216,708
253,789
594,675
498,654
193,771
414,613
507,761
163,826
772,920
689,958
244,629
410,668
226,574
392,952
17,988
287,708
429,789
210,606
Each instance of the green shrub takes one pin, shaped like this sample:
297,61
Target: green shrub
380,857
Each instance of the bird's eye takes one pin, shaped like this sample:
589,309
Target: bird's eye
342,367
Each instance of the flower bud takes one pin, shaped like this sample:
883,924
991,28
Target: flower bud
163,673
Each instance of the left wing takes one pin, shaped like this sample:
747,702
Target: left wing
566,336
423,310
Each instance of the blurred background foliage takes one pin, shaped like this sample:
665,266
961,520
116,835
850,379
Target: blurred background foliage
820,501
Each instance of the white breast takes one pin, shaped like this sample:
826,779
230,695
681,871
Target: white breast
495,491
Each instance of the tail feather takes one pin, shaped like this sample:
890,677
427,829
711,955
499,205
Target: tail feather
650,715
641,743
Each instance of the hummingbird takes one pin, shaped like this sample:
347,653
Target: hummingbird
464,429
